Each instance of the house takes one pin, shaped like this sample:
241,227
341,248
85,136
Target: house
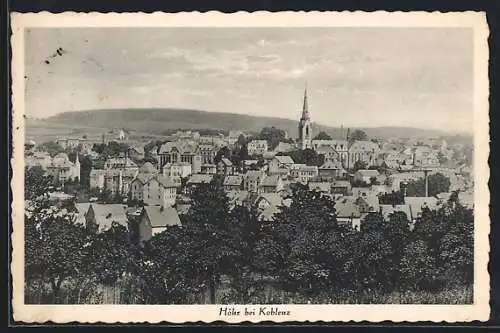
177,169
97,179
330,154
365,176
331,170
363,151
41,159
136,152
156,219
100,217
209,169
233,183
348,213
237,198
153,190
280,165
324,187
368,203
207,153
257,147
120,163
271,184
181,151
81,212
342,187
303,173
196,180
225,167
249,165
360,191
252,180
284,147
267,205
62,170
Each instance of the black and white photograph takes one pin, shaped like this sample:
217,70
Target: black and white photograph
251,168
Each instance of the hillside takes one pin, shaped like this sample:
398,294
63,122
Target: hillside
157,121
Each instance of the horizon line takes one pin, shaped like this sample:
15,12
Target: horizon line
345,126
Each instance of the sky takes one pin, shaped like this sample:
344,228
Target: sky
416,77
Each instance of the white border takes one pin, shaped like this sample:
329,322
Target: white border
209,313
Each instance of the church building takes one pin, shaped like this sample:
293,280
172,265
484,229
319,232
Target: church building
305,132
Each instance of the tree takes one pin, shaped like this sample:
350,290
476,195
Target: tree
360,165
358,135
307,156
392,198
36,183
322,136
54,247
242,140
300,246
438,183
52,148
272,135
224,152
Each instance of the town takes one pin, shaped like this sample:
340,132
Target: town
147,186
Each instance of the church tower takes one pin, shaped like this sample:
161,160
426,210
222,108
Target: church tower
305,132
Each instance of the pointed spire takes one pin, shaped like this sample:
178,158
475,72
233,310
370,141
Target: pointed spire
305,107
77,159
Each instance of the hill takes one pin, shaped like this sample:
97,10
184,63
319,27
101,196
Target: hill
156,121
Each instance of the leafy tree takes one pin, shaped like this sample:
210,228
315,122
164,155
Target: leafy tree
242,140
307,156
36,183
417,266
54,247
358,135
438,183
392,198
52,148
272,135
441,158
224,152
360,165
322,136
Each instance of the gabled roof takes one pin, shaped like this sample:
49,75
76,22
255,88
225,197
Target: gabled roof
166,181
226,162
200,178
330,165
320,186
284,159
106,214
270,181
417,203
274,199
253,174
345,207
368,173
233,180
162,217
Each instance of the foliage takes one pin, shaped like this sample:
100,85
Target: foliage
272,135
307,156
36,183
358,135
52,148
322,136
112,149
392,198
360,165
438,183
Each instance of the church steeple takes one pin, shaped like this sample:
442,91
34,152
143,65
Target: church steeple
305,132
305,107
